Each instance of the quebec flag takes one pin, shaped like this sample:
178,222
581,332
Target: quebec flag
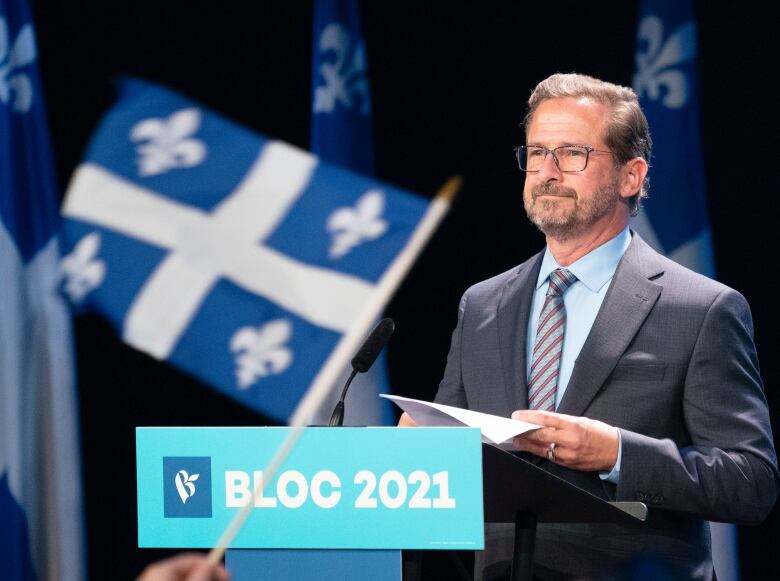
239,259
341,104
341,133
41,536
675,219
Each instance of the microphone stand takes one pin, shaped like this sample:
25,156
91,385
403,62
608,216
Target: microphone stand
337,418
363,361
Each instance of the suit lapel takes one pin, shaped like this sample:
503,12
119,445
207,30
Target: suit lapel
629,300
514,309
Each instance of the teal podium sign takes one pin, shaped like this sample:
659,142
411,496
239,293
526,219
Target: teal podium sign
340,488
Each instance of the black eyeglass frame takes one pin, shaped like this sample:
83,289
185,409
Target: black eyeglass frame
547,151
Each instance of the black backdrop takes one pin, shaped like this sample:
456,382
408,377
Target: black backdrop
449,81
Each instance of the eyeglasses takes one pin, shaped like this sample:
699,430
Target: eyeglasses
568,158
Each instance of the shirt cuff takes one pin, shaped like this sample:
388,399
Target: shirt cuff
614,475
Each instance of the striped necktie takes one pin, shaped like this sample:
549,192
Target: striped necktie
546,358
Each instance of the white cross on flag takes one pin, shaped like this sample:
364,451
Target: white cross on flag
239,259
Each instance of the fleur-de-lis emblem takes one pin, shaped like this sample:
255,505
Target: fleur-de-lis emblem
12,58
350,227
345,78
261,351
168,143
654,66
81,270
184,485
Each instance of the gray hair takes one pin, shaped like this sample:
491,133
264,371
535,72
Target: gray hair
628,135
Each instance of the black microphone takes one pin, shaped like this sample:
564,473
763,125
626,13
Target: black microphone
363,361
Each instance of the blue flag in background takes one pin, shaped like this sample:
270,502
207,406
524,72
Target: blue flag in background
341,105
236,258
341,133
41,534
675,219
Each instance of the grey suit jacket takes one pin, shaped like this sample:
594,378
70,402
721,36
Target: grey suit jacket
670,361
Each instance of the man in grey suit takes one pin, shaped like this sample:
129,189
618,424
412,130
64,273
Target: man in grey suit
642,373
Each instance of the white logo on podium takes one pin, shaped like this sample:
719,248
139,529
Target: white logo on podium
184,485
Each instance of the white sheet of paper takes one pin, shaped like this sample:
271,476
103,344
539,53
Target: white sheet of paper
495,429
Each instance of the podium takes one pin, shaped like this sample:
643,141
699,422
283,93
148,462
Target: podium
341,507
541,497
347,500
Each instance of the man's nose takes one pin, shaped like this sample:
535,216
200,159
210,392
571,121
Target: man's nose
549,170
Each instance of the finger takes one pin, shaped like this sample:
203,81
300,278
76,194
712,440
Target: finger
541,436
567,437
204,571
542,418
532,447
563,456
406,421
172,569
184,563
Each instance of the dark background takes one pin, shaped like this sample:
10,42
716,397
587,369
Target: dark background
449,82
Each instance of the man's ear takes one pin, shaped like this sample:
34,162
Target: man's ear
633,176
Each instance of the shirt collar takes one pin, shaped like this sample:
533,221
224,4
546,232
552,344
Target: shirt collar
596,268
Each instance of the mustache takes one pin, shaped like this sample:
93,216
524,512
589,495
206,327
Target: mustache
551,189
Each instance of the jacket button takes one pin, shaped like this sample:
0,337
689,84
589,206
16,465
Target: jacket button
658,499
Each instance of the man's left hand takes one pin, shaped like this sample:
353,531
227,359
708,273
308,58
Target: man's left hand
579,443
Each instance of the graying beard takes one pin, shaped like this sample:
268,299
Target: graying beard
570,229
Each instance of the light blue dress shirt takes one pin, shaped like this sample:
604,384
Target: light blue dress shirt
582,301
